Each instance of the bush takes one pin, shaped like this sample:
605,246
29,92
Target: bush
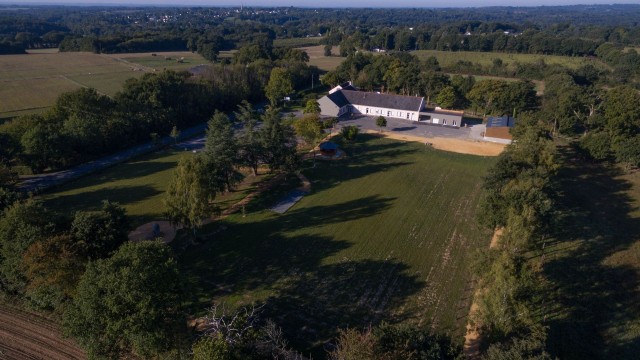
597,145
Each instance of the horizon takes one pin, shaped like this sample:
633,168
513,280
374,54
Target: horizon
314,4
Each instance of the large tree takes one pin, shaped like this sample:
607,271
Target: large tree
280,85
278,142
221,153
101,232
189,197
249,145
309,128
21,224
128,303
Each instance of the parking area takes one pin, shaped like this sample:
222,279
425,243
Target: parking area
414,128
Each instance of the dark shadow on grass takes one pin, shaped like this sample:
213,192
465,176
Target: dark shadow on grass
315,304
136,169
591,302
92,200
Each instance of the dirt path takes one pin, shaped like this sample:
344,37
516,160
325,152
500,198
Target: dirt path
472,339
449,144
30,336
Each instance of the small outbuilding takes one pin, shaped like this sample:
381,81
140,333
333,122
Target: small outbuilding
498,129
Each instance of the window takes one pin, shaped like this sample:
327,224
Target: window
367,110
444,122
454,123
408,116
388,113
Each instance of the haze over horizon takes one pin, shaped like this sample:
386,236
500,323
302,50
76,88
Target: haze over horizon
325,3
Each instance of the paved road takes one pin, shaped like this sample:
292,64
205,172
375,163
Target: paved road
41,182
409,127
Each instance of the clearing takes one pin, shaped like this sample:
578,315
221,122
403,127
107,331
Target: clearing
49,74
387,233
449,58
325,63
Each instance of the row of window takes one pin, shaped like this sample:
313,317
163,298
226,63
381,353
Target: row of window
389,113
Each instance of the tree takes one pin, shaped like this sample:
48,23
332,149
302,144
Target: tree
278,142
381,122
220,153
309,128
175,133
128,303
280,85
312,107
101,232
45,146
189,197
447,97
54,267
349,132
621,111
249,145
21,224
327,50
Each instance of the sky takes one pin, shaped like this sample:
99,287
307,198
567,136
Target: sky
327,3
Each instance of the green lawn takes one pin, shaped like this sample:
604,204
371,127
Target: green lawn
138,185
325,63
386,234
449,58
593,264
32,82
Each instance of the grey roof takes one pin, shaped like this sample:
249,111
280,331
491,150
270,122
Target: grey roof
338,98
348,86
503,121
399,102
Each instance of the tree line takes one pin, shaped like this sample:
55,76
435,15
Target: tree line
406,74
84,124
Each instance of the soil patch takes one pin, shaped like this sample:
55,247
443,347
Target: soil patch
472,337
29,336
460,146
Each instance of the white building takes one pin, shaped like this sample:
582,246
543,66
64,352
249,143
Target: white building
342,101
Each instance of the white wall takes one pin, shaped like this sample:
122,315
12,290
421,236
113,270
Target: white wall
387,113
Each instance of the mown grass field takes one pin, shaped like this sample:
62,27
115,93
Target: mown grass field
388,233
593,263
325,63
539,84
138,185
297,42
30,83
449,58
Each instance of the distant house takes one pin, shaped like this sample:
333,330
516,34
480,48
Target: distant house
343,101
499,129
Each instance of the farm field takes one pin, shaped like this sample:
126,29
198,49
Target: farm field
297,42
138,186
539,84
449,58
32,82
388,233
325,63
593,264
